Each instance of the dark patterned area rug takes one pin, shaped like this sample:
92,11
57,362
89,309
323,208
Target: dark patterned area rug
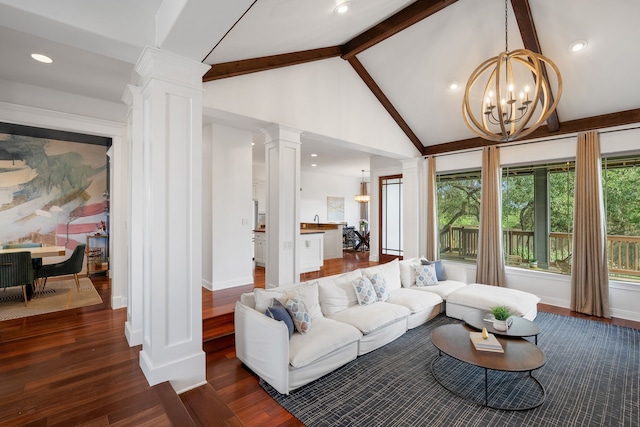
591,378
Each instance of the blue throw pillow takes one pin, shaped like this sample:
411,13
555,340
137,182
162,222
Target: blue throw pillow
278,312
439,269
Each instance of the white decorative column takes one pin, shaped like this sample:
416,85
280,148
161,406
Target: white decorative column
282,154
414,218
172,219
135,223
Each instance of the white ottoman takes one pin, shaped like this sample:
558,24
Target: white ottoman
483,297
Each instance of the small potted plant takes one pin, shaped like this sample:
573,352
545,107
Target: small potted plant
500,316
533,263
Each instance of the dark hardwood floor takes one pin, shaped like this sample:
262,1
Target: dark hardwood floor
75,368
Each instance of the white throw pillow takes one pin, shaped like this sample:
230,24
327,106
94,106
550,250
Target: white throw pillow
337,293
306,292
365,291
426,275
380,286
390,271
299,314
407,272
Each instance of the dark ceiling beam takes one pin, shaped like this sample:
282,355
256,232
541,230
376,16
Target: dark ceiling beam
604,121
247,66
377,92
405,18
527,27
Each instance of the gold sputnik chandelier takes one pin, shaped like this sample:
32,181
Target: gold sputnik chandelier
512,92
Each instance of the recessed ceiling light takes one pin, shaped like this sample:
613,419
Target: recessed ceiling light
313,165
41,58
342,7
314,155
578,45
454,85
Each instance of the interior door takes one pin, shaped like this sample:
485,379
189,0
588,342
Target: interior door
390,217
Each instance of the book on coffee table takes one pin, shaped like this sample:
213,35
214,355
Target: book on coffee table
490,343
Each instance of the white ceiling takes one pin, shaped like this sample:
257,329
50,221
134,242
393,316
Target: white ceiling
95,45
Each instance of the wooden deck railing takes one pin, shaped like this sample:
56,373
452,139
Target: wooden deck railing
623,252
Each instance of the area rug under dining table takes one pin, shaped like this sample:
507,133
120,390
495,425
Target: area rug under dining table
591,378
58,295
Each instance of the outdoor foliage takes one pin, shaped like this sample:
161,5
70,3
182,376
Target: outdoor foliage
622,190
459,207
459,200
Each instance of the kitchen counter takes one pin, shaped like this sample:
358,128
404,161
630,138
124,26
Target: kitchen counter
302,231
308,231
332,242
310,249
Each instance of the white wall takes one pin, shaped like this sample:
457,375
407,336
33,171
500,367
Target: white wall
207,206
316,187
61,102
323,97
231,236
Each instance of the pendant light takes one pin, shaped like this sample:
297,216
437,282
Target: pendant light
363,197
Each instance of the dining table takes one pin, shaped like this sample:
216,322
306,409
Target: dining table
39,252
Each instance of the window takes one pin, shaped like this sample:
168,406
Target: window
537,215
620,177
459,215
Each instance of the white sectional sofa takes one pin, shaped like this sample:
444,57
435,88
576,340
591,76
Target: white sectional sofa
341,328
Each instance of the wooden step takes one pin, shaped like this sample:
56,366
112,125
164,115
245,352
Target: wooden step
175,409
207,408
218,327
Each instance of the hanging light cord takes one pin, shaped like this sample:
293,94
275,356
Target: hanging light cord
506,26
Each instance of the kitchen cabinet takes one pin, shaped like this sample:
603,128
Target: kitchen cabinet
259,248
310,251
332,237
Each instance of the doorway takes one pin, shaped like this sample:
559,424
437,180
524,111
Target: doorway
390,217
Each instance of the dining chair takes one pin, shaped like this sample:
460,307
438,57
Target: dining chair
37,262
348,238
72,265
16,270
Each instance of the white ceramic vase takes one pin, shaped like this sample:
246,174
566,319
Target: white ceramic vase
500,325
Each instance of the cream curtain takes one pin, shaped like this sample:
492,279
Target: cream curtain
589,273
432,211
490,264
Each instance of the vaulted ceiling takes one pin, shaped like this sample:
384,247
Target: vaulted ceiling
409,57
407,52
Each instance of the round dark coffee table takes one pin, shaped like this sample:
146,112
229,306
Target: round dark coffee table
519,356
520,327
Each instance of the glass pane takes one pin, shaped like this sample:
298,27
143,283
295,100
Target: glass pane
537,221
391,230
622,205
459,215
